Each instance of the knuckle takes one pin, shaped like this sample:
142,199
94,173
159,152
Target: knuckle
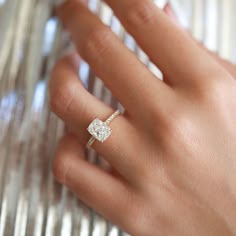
214,91
133,208
140,13
97,44
61,98
171,121
58,167
138,223
61,162
178,128
174,125
142,224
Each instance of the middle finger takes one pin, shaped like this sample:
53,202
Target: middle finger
121,71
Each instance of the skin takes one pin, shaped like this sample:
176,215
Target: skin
173,152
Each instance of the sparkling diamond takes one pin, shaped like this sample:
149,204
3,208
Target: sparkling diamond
99,130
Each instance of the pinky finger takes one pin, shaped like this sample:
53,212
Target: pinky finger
108,195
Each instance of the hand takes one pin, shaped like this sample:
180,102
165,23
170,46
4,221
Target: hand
173,152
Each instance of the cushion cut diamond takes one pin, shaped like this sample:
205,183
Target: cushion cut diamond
99,130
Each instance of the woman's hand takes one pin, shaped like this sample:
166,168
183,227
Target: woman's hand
173,152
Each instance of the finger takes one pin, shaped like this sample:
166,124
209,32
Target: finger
167,46
129,80
78,108
109,196
170,13
230,67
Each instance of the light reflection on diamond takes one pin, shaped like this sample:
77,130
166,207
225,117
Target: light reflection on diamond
99,130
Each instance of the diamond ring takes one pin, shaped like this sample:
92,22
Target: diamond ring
100,130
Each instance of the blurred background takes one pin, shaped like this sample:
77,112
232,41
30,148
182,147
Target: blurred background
31,40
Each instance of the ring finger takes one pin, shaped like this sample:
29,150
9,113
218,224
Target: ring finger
77,107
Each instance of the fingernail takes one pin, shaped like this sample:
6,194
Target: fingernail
170,12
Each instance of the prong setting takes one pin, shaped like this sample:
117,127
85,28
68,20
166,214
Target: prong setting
99,130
